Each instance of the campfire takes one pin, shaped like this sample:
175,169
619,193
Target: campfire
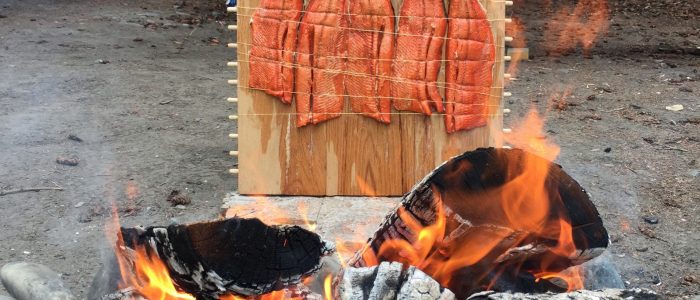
489,219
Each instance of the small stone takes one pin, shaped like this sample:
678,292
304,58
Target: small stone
68,160
79,204
28,281
607,150
74,137
591,97
675,107
642,249
651,219
694,172
178,198
102,61
685,89
138,40
180,206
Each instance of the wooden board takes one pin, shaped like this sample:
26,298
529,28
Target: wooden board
350,155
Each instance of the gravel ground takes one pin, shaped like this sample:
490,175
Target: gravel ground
142,83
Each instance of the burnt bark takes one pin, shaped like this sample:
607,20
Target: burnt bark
467,189
240,256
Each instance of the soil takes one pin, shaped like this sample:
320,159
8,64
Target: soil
142,84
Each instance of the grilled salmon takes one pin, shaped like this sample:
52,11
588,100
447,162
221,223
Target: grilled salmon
274,32
371,43
419,42
470,56
321,62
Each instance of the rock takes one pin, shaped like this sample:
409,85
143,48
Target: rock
68,160
74,137
30,281
651,219
676,107
3,297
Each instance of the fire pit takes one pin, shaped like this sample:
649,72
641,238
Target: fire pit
489,219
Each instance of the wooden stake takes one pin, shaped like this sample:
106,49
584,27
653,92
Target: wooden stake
233,135
507,130
508,39
232,64
232,9
232,27
233,117
233,81
509,3
233,171
232,45
232,100
233,153
507,94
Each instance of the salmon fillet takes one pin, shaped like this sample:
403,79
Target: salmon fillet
470,58
274,31
421,35
370,49
320,62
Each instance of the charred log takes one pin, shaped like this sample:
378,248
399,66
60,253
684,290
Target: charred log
240,256
466,190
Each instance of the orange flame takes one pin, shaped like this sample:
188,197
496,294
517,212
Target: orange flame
516,210
580,25
327,287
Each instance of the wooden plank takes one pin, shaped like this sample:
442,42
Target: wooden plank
351,155
426,143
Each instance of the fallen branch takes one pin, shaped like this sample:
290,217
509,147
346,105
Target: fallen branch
24,190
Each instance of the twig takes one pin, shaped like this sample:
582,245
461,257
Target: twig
24,190
674,148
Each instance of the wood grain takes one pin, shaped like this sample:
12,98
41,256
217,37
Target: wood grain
351,155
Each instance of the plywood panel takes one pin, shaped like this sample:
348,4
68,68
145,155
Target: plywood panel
351,155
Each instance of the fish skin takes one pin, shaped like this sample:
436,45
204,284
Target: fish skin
271,59
370,53
470,56
321,53
419,44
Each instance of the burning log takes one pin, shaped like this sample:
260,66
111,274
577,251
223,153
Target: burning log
240,256
491,219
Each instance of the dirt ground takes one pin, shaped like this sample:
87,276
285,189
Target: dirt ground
142,83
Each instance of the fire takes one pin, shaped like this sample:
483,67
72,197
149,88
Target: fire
508,206
578,26
328,287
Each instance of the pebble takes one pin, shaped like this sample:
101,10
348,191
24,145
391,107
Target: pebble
180,206
651,219
676,107
29,281
79,204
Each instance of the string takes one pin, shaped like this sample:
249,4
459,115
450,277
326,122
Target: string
361,96
391,79
249,45
436,114
395,33
447,17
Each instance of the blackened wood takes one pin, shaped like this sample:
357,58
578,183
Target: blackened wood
467,187
241,256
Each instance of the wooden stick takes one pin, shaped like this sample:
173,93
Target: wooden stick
233,117
507,94
507,130
24,190
232,64
233,81
232,27
232,100
232,9
507,76
507,58
233,153
233,171
233,135
509,3
232,45
508,39
506,110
